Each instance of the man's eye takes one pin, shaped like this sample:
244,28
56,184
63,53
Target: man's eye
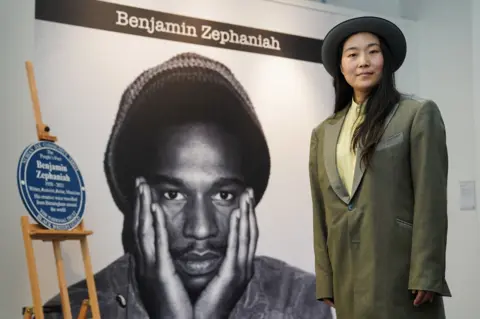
223,196
173,195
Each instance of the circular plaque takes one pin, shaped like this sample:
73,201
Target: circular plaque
51,186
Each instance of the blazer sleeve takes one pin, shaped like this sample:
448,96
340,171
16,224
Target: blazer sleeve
323,268
429,169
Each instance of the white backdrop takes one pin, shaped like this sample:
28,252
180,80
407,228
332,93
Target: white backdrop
82,72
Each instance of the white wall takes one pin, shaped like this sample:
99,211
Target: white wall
476,84
445,74
405,9
445,65
16,36
379,7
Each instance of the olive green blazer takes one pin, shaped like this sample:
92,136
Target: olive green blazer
389,238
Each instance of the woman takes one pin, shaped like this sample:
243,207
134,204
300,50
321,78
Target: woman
378,174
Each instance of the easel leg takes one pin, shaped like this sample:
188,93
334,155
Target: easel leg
83,310
92,290
67,311
32,269
28,313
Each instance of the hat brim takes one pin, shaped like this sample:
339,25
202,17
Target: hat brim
385,29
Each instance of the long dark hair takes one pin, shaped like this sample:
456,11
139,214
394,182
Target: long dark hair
382,99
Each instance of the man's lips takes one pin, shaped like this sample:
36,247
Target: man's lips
198,263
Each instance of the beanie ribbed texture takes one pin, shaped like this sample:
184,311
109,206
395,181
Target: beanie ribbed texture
183,67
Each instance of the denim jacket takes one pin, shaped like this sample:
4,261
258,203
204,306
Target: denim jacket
276,291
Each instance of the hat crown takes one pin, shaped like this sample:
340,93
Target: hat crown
385,29
193,68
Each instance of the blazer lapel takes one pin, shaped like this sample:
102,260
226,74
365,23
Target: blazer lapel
359,167
332,133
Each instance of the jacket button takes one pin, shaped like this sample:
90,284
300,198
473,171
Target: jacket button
121,301
350,207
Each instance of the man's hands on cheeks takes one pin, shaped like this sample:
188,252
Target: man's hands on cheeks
223,292
162,290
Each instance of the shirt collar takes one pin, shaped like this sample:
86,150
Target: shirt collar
359,108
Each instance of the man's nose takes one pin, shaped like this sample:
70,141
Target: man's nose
200,220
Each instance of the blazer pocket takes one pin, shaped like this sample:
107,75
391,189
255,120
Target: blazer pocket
390,141
403,223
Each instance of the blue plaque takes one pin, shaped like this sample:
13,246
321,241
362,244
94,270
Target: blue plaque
51,186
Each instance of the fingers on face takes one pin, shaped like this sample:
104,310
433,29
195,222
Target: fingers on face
243,234
251,195
142,228
244,230
253,223
228,264
136,214
146,234
161,236
253,226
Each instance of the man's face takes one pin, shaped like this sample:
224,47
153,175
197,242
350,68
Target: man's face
197,179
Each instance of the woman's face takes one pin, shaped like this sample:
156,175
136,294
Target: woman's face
362,61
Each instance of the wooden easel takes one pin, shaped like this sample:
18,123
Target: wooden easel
35,231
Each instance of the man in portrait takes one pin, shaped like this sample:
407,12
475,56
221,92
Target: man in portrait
187,162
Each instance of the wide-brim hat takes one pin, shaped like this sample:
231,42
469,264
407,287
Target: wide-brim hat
181,89
386,30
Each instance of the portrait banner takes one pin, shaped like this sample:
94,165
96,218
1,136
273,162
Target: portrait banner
193,132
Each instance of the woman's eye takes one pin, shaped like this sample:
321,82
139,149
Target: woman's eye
225,196
173,195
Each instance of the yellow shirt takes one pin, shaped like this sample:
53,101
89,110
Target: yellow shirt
346,157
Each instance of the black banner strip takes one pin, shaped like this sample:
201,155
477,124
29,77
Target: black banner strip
141,22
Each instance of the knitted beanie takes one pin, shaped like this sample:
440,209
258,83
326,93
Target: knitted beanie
182,72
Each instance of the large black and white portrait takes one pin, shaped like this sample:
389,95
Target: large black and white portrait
187,162
194,156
